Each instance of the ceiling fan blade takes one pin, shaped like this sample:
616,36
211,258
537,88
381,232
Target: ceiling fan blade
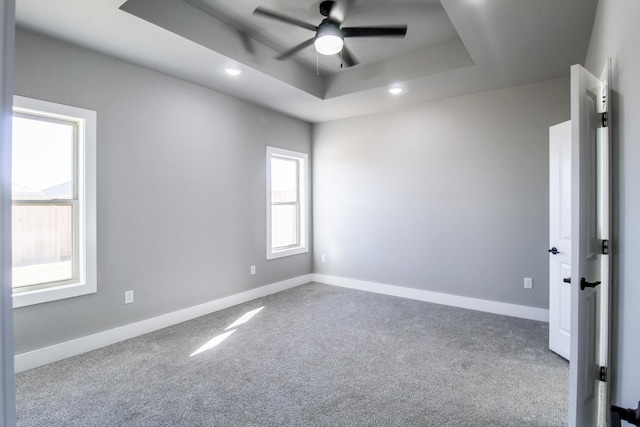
247,42
295,49
397,31
284,18
347,57
340,9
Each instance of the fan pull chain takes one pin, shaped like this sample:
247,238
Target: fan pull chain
317,64
341,58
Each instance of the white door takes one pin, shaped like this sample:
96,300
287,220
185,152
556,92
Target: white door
588,398
560,239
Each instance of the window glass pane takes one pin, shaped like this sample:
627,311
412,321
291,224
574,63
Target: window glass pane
284,225
287,231
42,237
284,180
43,158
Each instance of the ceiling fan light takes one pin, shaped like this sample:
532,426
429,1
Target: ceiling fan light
328,44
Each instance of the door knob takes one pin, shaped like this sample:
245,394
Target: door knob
584,284
554,250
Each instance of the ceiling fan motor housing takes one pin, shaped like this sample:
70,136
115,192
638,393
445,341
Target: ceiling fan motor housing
329,28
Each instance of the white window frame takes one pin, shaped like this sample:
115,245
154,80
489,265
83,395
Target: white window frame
86,282
303,199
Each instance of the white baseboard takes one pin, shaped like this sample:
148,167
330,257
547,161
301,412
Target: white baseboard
54,353
506,309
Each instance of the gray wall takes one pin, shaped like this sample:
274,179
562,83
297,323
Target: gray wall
448,196
181,190
616,35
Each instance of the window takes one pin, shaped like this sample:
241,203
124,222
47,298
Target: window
53,201
287,217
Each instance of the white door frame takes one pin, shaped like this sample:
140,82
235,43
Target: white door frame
590,296
7,41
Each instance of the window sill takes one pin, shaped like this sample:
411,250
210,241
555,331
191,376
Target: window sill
287,252
24,299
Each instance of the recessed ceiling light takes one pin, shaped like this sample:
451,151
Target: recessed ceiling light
233,71
395,90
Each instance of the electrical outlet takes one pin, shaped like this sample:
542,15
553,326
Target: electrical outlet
253,270
128,297
528,283
323,258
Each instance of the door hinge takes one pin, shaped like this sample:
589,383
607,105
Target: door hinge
602,374
605,247
604,120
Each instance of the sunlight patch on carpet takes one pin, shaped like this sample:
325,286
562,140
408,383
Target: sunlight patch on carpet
245,318
213,342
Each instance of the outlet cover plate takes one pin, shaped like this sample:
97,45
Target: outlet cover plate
128,297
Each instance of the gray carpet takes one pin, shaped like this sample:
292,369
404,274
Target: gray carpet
315,355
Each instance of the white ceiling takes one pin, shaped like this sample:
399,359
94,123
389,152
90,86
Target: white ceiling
452,47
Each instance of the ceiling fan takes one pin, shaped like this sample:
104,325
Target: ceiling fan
330,35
